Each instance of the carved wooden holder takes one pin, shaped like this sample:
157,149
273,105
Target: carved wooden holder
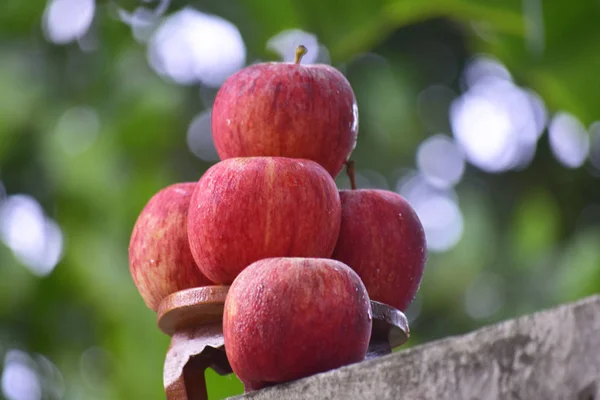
194,320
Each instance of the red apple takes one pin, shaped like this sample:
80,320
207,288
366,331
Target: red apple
287,110
160,260
288,318
382,239
247,209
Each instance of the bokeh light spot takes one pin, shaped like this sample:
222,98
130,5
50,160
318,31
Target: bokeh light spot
20,381
496,123
441,161
191,47
34,239
52,380
199,137
144,20
437,209
483,131
482,68
442,221
569,140
284,44
65,21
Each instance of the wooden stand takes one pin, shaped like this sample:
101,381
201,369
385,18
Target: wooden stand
194,320
390,330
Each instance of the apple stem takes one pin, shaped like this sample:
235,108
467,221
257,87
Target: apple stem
300,52
351,174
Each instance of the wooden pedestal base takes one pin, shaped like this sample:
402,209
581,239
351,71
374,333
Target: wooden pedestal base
194,320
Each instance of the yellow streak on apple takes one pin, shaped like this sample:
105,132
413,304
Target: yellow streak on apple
270,178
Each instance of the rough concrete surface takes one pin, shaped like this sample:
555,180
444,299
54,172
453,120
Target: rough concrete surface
553,354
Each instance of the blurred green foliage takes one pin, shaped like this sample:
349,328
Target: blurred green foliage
533,233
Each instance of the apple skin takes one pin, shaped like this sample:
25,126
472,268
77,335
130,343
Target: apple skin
287,110
247,209
288,318
382,239
160,260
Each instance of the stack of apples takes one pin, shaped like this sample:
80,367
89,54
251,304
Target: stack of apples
303,259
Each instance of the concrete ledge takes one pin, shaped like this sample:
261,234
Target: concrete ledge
553,354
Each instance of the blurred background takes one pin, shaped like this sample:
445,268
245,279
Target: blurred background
482,113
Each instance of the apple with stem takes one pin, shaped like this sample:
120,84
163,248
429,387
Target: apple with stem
287,110
288,318
247,209
382,239
160,260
